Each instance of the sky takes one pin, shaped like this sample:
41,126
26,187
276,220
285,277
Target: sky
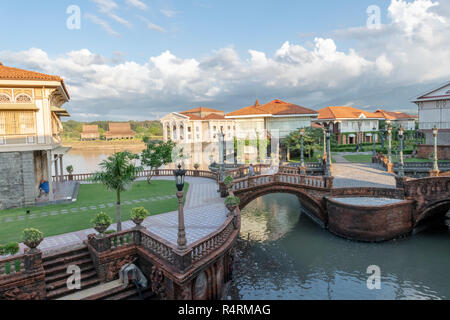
140,59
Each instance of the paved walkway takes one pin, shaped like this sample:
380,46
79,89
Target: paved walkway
349,175
204,213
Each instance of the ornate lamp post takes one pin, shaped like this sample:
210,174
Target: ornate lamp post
302,155
179,178
390,165
401,172
374,149
324,142
435,171
328,167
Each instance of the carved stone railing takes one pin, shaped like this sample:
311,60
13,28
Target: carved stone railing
12,266
157,173
113,241
285,178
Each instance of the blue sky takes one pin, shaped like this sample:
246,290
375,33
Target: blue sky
163,56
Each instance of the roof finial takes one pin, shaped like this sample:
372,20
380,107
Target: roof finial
257,103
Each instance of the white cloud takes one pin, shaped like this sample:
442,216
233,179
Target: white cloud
104,24
168,13
384,63
138,4
108,7
155,27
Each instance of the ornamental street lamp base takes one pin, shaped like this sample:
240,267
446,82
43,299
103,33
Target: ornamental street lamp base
390,168
434,173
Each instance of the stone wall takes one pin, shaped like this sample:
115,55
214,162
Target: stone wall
17,179
424,151
366,223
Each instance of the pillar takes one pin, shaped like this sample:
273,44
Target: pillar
49,173
56,168
61,166
165,131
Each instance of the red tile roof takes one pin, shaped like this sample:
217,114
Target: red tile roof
274,108
200,109
394,115
10,73
345,113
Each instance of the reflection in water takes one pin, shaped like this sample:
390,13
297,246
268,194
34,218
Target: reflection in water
289,257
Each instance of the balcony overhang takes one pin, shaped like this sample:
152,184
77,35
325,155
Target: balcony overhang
18,107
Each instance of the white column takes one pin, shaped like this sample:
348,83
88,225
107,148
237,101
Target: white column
49,173
61,168
165,131
172,132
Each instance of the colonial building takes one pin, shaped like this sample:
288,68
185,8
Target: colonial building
399,119
350,125
434,110
277,115
30,133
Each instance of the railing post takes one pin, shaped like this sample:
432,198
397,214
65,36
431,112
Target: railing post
33,261
328,182
182,260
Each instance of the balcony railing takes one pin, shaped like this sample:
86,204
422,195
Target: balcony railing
430,125
28,139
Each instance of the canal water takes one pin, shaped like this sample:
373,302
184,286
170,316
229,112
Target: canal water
284,255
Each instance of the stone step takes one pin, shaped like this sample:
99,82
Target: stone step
67,252
66,259
63,267
50,286
64,275
65,291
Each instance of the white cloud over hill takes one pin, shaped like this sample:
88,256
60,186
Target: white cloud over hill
413,48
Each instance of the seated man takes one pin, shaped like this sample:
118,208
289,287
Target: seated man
44,187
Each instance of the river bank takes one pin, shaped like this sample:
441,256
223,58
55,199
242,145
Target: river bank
115,145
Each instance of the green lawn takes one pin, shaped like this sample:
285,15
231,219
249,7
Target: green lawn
362,158
89,195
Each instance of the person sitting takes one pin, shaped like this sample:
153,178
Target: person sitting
44,187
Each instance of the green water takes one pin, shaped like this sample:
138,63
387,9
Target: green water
284,255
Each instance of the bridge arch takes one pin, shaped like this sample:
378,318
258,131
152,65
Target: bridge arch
432,211
312,205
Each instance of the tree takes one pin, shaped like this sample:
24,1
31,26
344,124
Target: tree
156,155
118,173
311,141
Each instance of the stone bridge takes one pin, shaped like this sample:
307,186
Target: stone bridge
356,213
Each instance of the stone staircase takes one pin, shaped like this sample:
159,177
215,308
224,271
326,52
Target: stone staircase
55,267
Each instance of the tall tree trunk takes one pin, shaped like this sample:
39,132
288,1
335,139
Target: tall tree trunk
119,220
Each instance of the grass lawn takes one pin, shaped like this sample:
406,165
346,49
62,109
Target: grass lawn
89,195
363,158
309,160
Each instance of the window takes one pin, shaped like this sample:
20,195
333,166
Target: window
17,123
189,129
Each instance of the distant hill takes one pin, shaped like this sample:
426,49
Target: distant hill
72,129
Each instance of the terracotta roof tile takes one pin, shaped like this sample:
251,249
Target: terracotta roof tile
394,115
345,113
10,73
275,108
200,109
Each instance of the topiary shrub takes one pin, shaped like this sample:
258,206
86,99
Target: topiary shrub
32,237
138,215
228,181
9,249
101,222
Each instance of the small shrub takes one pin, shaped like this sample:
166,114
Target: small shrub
228,180
232,201
69,169
139,213
101,219
9,249
196,166
32,235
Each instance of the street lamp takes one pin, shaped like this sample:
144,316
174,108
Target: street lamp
302,156
359,135
390,165
374,153
328,168
435,171
324,142
179,178
401,172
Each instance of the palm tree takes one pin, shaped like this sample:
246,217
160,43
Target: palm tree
118,173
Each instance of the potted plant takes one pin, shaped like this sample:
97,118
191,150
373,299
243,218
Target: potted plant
32,238
9,249
70,172
138,216
196,166
228,181
101,222
232,202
